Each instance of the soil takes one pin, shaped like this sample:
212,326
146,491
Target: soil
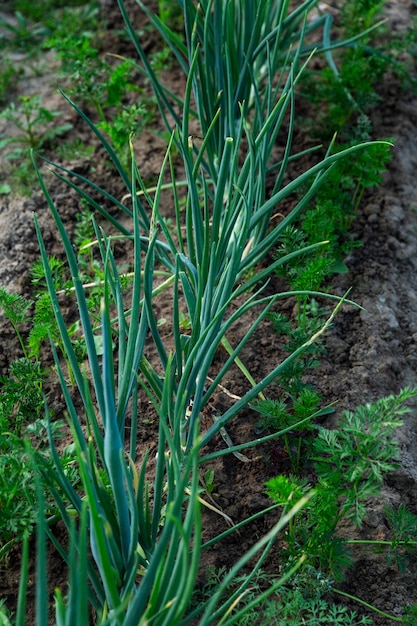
370,353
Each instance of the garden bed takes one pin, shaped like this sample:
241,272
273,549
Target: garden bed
370,352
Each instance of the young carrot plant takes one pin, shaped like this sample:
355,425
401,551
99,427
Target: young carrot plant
33,121
350,463
36,130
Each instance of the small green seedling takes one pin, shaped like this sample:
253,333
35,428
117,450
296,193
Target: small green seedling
403,525
21,397
9,77
23,34
36,131
34,123
209,483
16,308
277,415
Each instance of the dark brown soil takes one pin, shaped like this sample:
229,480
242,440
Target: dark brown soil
370,353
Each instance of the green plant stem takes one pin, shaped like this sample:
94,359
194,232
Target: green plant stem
101,283
21,601
369,606
298,453
20,338
380,543
226,345
32,140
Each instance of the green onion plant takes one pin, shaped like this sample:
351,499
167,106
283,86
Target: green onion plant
237,54
140,535
241,62
140,517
